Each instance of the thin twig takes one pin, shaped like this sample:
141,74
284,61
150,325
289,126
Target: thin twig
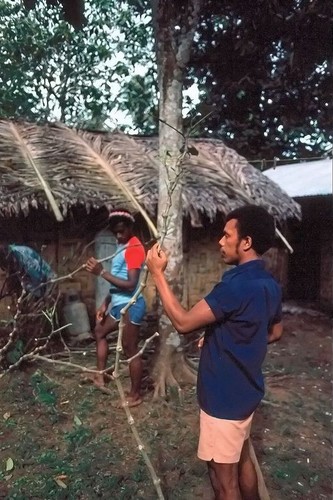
11,335
39,357
139,353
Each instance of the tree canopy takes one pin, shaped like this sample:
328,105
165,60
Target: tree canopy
73,10
263,73
51,70
263,70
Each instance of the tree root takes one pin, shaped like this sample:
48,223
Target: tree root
170,372
165,379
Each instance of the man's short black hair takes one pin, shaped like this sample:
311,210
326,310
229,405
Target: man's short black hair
257,223
120,215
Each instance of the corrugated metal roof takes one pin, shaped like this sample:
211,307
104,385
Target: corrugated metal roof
312,178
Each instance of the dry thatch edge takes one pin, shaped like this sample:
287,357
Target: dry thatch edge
216,181
23,152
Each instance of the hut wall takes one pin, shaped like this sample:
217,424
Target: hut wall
203,269
203,265
72,253
67,246
64,246
310,266
6,304
62,256
326,274
276,260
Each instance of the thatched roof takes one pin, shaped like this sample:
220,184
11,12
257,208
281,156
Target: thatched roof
41,165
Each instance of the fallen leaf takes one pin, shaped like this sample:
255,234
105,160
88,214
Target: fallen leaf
7,478
6,415
61,476
9,464
77,421
192,151
60,483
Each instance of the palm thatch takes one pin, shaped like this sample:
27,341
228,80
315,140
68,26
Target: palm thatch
52,164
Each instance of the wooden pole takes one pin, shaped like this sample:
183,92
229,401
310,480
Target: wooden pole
263,492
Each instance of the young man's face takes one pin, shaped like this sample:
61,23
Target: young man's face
230,243
122,232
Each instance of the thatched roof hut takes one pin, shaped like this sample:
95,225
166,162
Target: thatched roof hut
52,173
56,167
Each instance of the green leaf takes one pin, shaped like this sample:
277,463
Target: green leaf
16,352
49,69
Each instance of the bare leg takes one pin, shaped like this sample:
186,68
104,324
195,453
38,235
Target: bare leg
224,479
130,347
213,480
248,481
102,329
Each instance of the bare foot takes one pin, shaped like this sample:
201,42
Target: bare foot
104,389
99,380
96,382
87,379
131,402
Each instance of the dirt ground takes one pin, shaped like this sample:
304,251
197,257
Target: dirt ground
60,439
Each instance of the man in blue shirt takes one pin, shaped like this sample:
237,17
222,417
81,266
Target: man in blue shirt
242,314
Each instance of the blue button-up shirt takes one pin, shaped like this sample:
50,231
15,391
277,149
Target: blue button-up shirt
245,303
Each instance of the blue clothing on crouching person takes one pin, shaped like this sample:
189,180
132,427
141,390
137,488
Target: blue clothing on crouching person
33,268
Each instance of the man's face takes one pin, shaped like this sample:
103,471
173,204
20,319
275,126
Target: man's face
230,243
122,232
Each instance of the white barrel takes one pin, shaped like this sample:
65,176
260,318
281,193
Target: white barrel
105,245
75,312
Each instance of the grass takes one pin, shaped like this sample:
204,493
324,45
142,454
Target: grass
67,441
80,462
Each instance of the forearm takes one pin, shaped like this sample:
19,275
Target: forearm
272,338
184,321
275,333
118,282
107,300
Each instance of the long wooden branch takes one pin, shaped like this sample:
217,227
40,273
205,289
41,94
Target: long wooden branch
263,492
141,351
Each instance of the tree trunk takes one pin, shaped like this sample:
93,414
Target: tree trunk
174,25
175,22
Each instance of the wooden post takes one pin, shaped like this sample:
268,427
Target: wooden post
263,492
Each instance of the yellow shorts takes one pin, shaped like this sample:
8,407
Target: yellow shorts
222,440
